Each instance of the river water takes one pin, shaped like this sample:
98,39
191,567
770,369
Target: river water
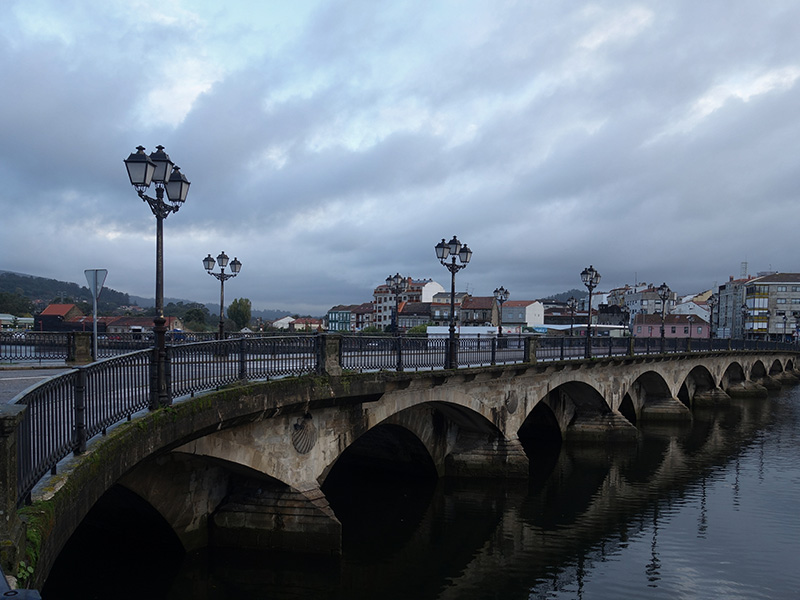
707,510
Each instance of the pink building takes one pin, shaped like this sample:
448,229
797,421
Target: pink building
675,326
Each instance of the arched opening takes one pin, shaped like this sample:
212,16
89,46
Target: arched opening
776,368
121,535
380,488
698,383
758,370
541,439
627,409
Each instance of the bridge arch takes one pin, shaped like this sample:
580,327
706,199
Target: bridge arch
648,389
698,387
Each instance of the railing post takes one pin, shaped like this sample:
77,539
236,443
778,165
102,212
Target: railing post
329,354
80,413
631,346
494,351
12,530
242,358
563,344
529,350
398,340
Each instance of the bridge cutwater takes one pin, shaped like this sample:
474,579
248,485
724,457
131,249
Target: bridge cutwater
254,426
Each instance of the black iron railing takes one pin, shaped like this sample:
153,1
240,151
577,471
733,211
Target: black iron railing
65,411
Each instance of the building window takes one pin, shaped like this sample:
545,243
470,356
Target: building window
672,329
781,288
781,301
685,331
638,329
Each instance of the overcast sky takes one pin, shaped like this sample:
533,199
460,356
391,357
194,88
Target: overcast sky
332,143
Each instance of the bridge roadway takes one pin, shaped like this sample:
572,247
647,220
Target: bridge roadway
247,465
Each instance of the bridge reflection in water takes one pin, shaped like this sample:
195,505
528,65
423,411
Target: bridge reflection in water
703,508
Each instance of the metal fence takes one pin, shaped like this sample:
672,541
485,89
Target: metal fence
65,411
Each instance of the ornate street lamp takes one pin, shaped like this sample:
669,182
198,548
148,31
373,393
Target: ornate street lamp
144,170
590,278
236,266
572,304
444,250
712,303
501,294
626,318
397,285
663,293
744,321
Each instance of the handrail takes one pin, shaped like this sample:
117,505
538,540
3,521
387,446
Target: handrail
65,411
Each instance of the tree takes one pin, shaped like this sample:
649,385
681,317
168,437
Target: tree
196,316
239,311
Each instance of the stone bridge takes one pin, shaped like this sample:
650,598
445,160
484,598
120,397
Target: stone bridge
250,465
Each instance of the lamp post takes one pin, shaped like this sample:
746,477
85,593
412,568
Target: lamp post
144,170
590,278
397,284
236,266
572,304
501,294
784,327
744,322
712,302
626,318
663,293
444,250
690,318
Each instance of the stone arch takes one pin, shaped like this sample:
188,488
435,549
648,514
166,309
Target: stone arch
699,388
647,390
735,382
734,374
757,370
776,368
582,413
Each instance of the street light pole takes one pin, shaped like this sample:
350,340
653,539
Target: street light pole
444,250
572,304
397,284
744,322
236,266
142,171
712,302
663,293
501,294
590,278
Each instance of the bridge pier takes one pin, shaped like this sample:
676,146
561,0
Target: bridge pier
787,378
712,397
747,389
769,382
604,427
496,458
277,518
665,409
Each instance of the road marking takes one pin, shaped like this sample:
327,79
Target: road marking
26,377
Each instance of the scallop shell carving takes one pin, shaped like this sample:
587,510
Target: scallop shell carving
512,402
304,434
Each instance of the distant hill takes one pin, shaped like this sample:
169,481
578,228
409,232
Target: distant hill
564,296
42,291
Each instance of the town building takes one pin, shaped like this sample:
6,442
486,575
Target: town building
518,314
440,307
727,319
349,317
385,301
772,306
675,326
413,314
479,311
